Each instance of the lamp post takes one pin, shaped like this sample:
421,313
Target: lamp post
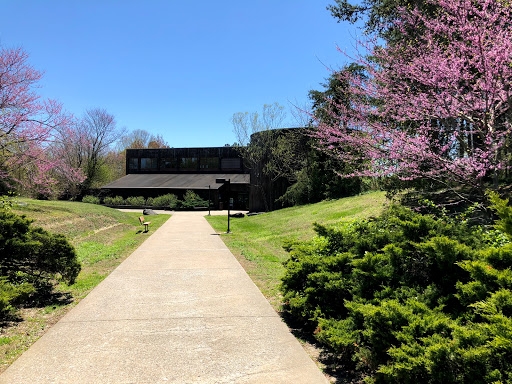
228,183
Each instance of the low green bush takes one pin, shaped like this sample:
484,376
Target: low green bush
90,199
117,200
407,298
165,201
32,258
192,200
7,201
12,294
135,201
108,200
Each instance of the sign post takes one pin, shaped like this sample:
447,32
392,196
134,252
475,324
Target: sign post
230,199
209,199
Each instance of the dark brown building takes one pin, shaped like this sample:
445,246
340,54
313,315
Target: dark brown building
155,172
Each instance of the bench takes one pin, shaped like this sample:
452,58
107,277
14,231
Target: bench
145,223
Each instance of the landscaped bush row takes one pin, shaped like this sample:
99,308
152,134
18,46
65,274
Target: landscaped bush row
408,298
190,200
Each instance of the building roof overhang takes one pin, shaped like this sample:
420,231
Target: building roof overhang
176,181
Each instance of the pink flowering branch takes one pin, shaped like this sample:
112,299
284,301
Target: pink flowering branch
443,97
28,126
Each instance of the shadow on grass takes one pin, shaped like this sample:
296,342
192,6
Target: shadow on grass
47,299
39,300
9,319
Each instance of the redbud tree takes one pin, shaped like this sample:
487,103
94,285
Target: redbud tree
28,125
435,103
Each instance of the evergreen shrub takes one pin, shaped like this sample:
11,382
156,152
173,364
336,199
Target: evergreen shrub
31,259
407,298
135,201
117,200
90,199
165,201
12,294
192,200
7,201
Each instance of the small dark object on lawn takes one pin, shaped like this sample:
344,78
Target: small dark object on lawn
238,215
148,212
255,213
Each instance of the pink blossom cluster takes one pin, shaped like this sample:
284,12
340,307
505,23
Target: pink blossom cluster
28,126
436,103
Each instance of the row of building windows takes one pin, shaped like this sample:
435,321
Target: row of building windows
183,163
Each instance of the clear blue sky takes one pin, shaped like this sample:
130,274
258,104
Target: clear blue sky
177,68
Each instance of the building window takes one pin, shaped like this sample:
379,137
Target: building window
209,163
169,164
133,163
148,163
231,163
188,164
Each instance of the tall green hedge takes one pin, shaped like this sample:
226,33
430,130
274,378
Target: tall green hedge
407,298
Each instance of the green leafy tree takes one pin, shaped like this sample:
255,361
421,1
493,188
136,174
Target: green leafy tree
317,179
377,15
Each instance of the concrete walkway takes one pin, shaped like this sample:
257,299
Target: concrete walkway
180,309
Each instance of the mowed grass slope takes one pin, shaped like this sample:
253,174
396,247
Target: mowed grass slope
257,241
103,237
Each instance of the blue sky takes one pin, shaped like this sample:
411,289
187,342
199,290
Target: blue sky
177,68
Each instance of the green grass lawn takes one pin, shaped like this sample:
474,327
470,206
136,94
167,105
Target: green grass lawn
257,241
103,237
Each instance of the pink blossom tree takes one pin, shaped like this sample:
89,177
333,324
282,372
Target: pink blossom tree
27,127
435,103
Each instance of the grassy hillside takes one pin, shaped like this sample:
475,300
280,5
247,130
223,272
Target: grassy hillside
257,241
103,238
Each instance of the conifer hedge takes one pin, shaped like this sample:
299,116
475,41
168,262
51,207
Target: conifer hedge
408,298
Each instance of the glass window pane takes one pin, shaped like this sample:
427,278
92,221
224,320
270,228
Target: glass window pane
133,163
209,163
169,164
231,164
188,164
148,163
